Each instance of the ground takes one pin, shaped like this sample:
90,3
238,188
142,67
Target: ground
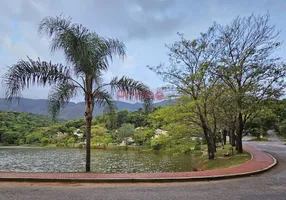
270,185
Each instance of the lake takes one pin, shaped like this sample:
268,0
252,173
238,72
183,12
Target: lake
15,159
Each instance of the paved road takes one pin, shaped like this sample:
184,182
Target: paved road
271,185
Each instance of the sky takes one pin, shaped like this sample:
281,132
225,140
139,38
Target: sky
145,26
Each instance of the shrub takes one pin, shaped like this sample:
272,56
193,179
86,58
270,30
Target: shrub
197,147
45,141
282,129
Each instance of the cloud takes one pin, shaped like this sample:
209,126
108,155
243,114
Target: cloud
143,25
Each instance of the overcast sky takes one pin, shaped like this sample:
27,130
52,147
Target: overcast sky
145,26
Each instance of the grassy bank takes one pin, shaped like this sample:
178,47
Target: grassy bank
223,159
264,139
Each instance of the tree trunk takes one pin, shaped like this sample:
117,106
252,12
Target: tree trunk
88,116
209,136
211,144
224,133
232,137
214,143
211,150
239,134
239,144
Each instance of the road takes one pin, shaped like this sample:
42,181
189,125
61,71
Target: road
270,185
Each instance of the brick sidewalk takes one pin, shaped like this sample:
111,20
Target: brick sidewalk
260,162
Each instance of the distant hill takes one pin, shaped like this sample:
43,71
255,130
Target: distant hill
71,111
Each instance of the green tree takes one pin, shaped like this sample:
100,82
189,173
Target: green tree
100,136
125,131
71,141
139,136
10,137
178,120
122,117
88,56
137,118
188,73
247,65
45,141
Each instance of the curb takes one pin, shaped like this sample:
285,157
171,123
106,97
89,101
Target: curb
137,180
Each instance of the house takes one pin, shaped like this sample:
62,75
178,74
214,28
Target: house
159,132
129,141
78,133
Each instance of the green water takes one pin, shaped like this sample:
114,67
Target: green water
15,159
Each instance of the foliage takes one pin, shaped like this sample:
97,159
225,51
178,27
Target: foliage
100,136
139,136
161,142
226,75
15,126
188,72
247,65
125,131
282,128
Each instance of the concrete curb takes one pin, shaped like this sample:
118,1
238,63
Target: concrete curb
136,180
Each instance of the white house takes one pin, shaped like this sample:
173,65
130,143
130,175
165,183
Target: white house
159,132
78,133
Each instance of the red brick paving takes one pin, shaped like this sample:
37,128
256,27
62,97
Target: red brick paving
259,162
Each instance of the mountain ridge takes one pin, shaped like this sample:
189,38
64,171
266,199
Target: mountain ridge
71,111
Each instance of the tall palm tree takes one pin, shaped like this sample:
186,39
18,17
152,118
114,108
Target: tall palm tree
88,56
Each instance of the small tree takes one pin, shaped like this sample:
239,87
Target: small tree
125,131
188,73
139,136
100,136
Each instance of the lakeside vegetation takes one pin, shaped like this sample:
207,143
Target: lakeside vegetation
37,130
112,129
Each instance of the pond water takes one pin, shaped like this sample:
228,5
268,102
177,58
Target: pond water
102,161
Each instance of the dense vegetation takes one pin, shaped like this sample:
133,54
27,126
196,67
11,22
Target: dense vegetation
138,128
20,128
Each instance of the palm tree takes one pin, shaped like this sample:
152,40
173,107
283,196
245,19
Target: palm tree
88,56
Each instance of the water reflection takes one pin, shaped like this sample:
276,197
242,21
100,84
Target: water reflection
103,161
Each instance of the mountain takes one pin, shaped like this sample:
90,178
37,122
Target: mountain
71,111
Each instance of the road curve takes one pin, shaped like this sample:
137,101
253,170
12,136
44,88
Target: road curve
269,185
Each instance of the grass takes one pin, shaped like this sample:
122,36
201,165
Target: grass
223,161
264,139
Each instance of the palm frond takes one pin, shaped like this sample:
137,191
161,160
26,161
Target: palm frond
72,38
86,50
132,87
107,48
26,73
60,96
103,98
54,25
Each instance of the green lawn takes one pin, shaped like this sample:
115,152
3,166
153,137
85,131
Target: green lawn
223,161
264,139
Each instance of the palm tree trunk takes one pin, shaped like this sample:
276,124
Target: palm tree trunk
89,104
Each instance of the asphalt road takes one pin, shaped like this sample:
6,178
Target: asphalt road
270,185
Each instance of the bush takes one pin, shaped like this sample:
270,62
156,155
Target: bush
60,145
197,147
45,141
34,137
282,129
20,142
161,142
71,141
10,137
139,136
